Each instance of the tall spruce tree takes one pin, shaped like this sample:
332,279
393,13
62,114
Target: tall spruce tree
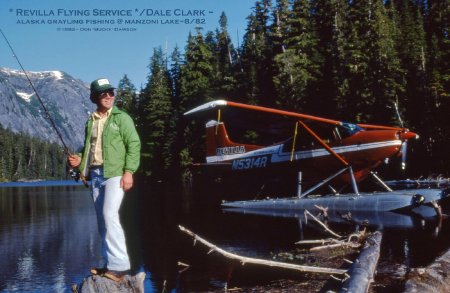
156,103
196,80
409,35
279,29
126,97
6,150
386,78
196,73
438,39
438,22
257,58
329,17
372,70
298,64
175,74
225,60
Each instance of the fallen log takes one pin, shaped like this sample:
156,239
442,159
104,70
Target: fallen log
336,245
433,278
99,284
319,241
361,274
244,260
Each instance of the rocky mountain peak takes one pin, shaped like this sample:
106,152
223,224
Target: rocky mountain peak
65,97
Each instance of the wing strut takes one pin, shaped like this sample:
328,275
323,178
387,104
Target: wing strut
334,154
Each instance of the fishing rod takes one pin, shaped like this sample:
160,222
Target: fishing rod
76,174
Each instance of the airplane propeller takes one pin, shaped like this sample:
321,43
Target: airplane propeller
404,150
404,135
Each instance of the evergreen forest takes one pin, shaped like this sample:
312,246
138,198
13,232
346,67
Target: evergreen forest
345,60
23,157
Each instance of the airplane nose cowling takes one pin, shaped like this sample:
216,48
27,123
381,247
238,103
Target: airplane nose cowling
406,134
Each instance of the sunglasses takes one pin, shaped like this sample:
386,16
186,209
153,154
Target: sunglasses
105,94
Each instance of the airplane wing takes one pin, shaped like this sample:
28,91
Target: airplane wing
223,103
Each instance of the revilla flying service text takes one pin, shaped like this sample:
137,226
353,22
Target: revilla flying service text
74,12
108,12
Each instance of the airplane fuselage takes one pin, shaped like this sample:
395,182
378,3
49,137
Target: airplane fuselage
363,151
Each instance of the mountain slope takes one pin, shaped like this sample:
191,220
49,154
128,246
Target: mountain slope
66,99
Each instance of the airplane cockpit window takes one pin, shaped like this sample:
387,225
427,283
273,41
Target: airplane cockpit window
329,134
348,129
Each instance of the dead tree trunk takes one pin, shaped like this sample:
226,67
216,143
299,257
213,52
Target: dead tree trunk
99,284
244,260
363,269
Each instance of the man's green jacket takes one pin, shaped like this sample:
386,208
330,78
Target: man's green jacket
121,145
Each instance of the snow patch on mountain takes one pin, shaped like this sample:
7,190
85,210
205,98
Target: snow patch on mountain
26,97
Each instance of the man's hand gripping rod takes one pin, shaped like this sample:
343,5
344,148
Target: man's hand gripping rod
74,173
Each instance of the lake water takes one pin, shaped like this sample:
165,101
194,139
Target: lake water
49,240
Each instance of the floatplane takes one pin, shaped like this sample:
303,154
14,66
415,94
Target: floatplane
333,154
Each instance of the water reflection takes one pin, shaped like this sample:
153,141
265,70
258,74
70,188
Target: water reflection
49,240
376,219
409,241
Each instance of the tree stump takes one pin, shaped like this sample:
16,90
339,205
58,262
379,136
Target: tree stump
99,284
431,279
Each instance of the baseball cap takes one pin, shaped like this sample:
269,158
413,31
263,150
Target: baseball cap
100,85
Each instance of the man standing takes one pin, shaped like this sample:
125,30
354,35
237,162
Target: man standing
110,156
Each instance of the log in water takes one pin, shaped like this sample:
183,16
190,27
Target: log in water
363,269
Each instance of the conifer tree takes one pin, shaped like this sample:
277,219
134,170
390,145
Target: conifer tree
438,69
196,73
438,22
329,19
409,35
126,97
298,64
372,70
279,33
42,165
22,157
196,80
225,81
6,152
279,29
175,73
386,78
257,58
156,104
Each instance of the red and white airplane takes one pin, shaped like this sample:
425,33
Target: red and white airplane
318,147
324,154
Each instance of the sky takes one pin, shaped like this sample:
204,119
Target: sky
89,39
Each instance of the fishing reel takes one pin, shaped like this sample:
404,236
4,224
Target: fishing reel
75,174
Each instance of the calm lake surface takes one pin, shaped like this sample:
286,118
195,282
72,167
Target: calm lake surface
49,240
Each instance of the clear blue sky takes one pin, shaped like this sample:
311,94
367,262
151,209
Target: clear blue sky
41,44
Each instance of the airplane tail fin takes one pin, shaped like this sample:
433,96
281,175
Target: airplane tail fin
219,147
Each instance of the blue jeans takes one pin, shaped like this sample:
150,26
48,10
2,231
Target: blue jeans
107,195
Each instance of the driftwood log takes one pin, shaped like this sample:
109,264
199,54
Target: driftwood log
98,284
433,278
244,260
307,213
363,269
353,241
